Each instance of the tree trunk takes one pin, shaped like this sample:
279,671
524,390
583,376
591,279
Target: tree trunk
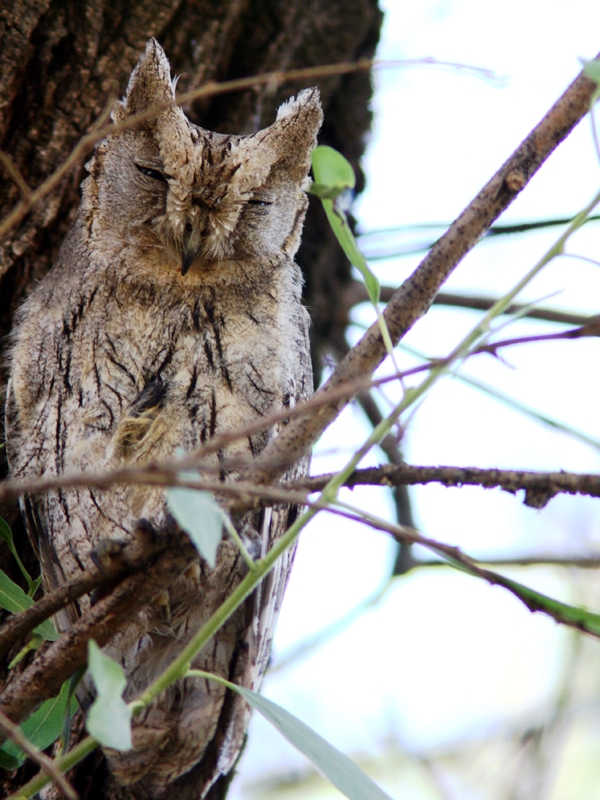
62,61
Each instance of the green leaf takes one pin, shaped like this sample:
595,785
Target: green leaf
339,225
592,69
9,762
338,768
332,172
6,535
334,175
43,727
201,517
109,718
14,599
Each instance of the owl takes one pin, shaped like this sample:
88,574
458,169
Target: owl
172,314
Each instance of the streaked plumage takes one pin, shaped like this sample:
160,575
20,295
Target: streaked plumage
173,314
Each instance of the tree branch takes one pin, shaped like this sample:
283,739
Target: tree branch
357,293
539,487
580,562
485,303
417,293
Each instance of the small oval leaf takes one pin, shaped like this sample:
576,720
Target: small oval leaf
332,170
201,517
347,776
109,718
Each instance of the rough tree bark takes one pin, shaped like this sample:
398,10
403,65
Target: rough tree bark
62,60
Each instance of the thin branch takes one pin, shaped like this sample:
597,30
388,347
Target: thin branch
365,239
485,303
391,447
539,487
534,601
412,300
167,472
83,146
579,562
591,329
13,173
14,733
357,293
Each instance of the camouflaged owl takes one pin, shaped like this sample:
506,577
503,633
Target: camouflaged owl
172,314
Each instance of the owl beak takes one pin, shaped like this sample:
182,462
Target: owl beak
192,242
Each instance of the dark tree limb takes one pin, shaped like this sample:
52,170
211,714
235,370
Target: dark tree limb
539,487
390,446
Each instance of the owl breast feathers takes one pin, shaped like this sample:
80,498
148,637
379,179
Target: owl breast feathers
173,314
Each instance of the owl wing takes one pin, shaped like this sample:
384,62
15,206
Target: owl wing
263,610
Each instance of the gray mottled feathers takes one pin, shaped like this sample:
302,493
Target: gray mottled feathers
173,314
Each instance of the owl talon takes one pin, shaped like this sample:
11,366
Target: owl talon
193,573
162,604
108,554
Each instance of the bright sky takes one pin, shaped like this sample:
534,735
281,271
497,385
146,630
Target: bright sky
444,657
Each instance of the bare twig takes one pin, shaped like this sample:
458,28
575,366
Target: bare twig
14,733
532,600
591,329
485,303
13,173
539,487
357,293
579,562
100,129
83,146
166,472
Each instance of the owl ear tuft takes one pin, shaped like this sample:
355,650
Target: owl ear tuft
285,146
150,83
295,131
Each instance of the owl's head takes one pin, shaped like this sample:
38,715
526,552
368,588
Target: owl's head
197,198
